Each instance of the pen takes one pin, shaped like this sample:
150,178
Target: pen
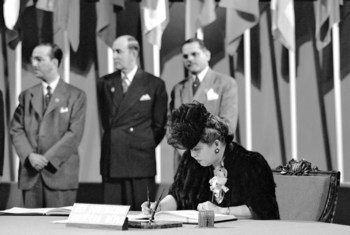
148,201
155,208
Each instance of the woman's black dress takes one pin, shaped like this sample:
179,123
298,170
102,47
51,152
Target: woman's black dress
250,182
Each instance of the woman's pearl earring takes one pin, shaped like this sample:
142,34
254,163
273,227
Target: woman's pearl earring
217,150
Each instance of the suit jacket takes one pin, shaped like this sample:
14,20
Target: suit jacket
218,92
133,124
2,134
55,134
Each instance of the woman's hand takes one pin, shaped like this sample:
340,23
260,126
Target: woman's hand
148,207
210,206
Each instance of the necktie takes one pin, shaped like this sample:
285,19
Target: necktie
195,84
125,84
47,96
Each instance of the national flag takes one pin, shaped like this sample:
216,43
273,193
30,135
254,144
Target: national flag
11,12
13,35
199,13
67,17
106,19
45,5
283,22
240,16
327,13
155,18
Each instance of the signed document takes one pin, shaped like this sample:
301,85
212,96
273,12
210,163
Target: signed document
184,216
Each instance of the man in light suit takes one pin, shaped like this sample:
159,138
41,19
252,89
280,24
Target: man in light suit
218,92
46,130
133,109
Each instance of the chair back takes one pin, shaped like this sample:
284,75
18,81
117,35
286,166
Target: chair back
306,193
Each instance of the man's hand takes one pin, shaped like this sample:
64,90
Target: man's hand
37,161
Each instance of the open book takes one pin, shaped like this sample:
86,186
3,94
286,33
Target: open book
184,216
37,211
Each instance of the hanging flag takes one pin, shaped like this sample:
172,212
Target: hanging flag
327,13
11,12
67,17
240,16
45,5
44,19
106,19
13,36
199,13
283,22
155,18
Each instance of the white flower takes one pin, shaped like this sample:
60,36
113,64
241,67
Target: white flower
217,184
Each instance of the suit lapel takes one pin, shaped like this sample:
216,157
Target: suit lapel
58,97
206,84
187,95
37,99
135,90
115,89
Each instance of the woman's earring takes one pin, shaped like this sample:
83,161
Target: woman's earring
217,150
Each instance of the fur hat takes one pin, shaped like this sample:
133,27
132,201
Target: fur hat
186,125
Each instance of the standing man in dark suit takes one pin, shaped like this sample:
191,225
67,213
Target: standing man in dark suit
133,108
218,92
2,135
46,130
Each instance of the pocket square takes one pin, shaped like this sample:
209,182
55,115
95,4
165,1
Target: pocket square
64,109
145,97
212,95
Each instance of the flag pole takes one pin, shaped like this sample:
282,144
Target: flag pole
66,58
110,63
156,72
293,104
337,99
188,33
248,78
18,89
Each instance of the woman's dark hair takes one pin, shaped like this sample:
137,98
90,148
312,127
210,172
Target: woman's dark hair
191,123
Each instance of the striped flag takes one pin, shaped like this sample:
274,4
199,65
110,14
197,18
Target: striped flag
240,16
106,19
283,22
155,18
327,13
199,13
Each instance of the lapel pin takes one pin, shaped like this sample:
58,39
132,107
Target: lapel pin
57,100
112,89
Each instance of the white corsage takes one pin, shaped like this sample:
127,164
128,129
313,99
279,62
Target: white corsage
217,183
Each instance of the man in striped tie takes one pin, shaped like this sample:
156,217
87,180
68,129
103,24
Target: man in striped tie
133,109
46,130
218,92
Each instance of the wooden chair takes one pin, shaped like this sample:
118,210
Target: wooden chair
305,193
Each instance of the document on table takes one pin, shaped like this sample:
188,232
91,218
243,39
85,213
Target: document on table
184,216
37,211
